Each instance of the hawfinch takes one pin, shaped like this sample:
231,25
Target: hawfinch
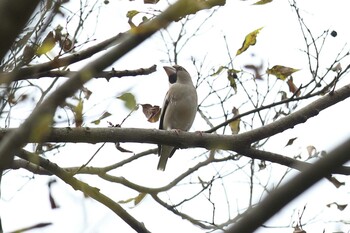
179,108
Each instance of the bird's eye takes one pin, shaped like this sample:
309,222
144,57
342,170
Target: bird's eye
172,78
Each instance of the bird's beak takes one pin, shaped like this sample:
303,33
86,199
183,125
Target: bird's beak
169,70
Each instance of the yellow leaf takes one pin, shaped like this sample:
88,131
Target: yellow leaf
281,72
131,14
139,198
262,2
136,199
48,43
129,100
234,125
78,113
249,40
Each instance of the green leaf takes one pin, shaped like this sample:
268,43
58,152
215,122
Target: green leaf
129,100
103,116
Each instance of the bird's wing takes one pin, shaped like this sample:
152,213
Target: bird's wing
165,106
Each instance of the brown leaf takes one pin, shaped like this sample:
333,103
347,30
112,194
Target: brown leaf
290,141
152,113
340,207
292,88
256,69
311,150
150,1
87,92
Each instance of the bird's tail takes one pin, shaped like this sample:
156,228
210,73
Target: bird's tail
165,152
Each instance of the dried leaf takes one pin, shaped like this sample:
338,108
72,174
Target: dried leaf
290,142
220,69
340,207
281,72
152,113
234,125
131,14
311,150
256,69
337,68
249,40
262,2
297,229
231,76
87,92
129,100
150,1
48,43
292,88
66,44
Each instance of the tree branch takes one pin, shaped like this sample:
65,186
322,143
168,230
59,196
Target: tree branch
274,202
32,71
92,192
103,74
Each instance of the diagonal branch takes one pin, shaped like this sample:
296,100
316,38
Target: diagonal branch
274,202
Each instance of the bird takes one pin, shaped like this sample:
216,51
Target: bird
179,108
